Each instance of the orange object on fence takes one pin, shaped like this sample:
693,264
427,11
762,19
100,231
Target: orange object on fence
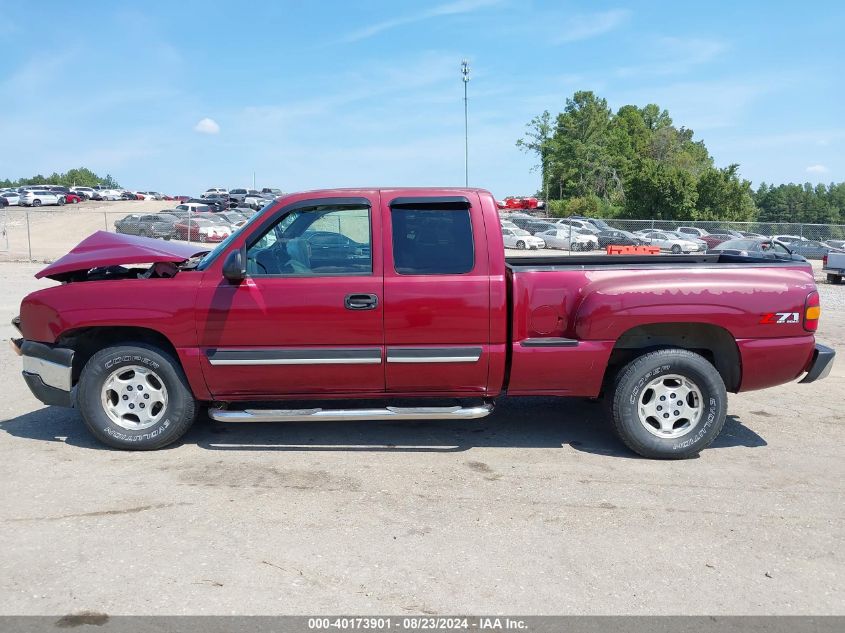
632,250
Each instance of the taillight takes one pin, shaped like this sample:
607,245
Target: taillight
824,261
812,311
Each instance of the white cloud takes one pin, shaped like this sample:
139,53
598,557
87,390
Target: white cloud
207,126
451,8
671,55
585,26
817,169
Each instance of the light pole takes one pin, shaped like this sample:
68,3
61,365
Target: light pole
465,73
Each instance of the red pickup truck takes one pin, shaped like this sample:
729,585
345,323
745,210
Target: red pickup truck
328,301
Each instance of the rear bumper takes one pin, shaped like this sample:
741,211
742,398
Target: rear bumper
48,371
821,364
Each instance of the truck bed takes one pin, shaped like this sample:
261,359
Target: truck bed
523,264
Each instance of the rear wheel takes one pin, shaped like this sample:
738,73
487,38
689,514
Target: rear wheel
520,245
36,203
135,397
834,279
60,202
668,404
676,249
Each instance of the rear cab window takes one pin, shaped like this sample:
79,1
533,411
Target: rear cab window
432,237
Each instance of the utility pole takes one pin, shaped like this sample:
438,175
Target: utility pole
253,179
465,73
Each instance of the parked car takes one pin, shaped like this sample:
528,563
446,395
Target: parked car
201,230
107,194
750,234
838,244
668,241
233,218
40,197
12,198
601,225
522,239
570,239
256,323
532,225
765,248
215,190
130,195
218,200
150,225
71,197
85,192
788,239
833,265
194,207
272,191
712,239
238,195
257,201
330,248
812,249
616,237
212,204
578,223
691,231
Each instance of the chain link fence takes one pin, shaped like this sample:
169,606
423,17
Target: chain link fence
47,233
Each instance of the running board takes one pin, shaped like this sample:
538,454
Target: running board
345,415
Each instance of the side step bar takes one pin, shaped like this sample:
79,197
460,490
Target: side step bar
345,415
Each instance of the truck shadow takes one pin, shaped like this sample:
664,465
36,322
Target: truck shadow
516,423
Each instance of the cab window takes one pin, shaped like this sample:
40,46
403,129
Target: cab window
317,241
432,241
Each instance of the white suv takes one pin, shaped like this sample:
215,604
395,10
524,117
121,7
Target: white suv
39,197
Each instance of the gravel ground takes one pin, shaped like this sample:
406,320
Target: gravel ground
534,510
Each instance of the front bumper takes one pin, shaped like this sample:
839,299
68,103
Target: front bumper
821,364
48,371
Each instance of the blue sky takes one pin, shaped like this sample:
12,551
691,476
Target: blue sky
321,94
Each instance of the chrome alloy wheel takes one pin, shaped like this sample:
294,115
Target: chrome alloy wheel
670,406
134,397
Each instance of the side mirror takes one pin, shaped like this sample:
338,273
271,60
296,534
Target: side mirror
234,268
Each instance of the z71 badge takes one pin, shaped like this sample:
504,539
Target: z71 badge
777,318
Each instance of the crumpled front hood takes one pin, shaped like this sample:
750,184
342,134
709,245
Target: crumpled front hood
114,249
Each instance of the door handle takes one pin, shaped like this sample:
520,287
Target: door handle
360,302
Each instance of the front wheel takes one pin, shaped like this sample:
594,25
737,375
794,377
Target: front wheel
135,397
520,245
36,203
676,249
669,404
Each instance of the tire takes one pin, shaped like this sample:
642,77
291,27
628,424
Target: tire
676,249
834,279
694,424
115,374
520,245
60,202
36,203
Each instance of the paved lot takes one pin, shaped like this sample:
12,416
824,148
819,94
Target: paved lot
536,509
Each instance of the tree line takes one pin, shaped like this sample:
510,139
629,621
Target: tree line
636,163
81,177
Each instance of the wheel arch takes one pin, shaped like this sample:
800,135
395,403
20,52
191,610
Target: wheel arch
713,342
87,341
